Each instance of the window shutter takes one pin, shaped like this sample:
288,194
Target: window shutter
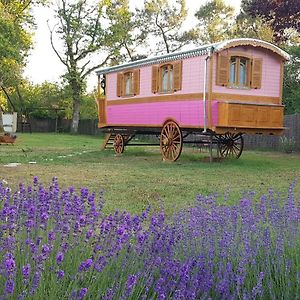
119,84
256,73
222,70
177,69
154,79
136,82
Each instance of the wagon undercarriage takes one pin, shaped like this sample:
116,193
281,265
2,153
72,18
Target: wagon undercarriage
171,138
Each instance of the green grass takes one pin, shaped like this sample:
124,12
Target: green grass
139,177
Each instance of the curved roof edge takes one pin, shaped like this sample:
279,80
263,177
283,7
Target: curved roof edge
251,42
203,50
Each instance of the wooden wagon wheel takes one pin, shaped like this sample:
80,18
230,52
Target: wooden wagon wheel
171,141
119,144
231,145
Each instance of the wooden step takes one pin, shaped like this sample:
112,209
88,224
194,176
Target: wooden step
109,140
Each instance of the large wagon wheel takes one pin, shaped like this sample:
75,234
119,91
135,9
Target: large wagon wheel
171,141
119,144
230,145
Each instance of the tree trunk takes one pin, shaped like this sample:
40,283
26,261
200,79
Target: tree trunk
1,123
76,108
76,114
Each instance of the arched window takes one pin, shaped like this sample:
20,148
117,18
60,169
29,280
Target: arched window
166,78
128,83
239,71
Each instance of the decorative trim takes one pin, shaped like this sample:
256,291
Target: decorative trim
245,98
251,42
217,47
195,96
101,125
158,98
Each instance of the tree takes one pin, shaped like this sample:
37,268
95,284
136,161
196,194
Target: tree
15,41
85,31
163,21
216,20
283,15
127,29
291,87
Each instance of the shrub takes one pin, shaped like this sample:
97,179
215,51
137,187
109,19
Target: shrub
58,244
287,145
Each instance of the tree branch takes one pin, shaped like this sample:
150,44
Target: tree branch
96,67
163,34
54,49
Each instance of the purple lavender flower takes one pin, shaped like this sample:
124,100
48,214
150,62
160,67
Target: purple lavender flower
35,180
26,271
9,286
85,265
82,293
130,283
35,283
51,236
59,258
89,233
60,274
10,263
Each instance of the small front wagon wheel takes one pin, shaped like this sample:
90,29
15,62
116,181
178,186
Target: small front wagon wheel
171,141
119,144
230,145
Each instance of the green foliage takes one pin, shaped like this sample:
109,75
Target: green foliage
291,86
287,145
15,39
163,20
41,100
216,20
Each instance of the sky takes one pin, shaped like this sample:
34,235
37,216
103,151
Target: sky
44,65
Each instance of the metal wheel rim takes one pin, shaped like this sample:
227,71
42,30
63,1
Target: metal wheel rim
231,145
171,141
119,144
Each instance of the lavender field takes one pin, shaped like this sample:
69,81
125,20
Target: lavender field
59,244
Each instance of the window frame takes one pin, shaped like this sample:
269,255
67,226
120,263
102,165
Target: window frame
134,75
170,89
238,56
130,75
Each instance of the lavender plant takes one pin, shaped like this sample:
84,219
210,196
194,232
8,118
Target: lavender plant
59,244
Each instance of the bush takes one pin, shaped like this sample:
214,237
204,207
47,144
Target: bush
287,145
58,244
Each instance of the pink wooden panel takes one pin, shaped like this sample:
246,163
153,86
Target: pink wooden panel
270,74
186,113
192,79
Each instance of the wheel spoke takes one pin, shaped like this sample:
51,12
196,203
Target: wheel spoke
230,145
171,141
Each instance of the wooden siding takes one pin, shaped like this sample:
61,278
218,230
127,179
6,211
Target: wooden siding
250,115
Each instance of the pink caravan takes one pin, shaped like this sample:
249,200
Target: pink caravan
217,92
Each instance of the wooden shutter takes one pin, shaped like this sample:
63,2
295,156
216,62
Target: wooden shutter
222,70
177,73
154,79
120,84
256,73
136,82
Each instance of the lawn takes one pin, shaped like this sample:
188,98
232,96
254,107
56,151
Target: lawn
139,177
59,243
